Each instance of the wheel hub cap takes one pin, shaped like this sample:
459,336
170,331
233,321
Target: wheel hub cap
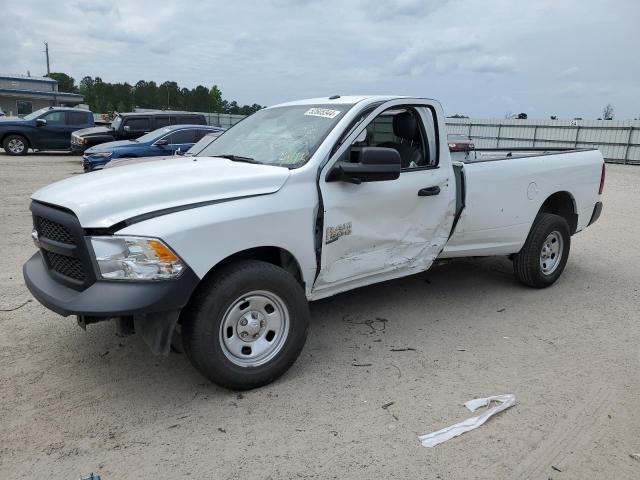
251,325
254,328
551,253
16,146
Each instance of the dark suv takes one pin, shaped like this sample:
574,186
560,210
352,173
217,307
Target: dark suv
128,126
45,129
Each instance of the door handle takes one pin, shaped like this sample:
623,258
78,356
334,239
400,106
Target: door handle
429,191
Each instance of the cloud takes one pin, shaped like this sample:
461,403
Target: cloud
569,72
393,9
491,64
463,52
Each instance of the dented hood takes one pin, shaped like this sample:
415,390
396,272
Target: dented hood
103,198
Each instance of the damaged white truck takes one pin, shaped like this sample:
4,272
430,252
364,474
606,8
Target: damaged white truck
297,202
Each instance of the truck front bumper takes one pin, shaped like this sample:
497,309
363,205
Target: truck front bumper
151,309
107,298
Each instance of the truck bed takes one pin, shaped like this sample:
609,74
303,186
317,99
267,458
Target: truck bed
500,199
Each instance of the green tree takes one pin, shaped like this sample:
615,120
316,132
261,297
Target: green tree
215,95
65,82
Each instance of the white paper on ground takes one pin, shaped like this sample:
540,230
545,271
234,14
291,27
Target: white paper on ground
504,402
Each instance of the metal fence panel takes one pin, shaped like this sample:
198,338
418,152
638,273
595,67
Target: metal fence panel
618,140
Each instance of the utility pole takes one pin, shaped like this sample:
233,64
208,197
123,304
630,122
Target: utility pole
46,51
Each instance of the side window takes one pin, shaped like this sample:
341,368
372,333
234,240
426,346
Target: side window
77,118
138,124
181,136
400,128
200,133
164,121
54,118
430,131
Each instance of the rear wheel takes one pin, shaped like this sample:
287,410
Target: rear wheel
544,255
247,325
15,145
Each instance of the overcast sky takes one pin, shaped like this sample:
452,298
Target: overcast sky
478,57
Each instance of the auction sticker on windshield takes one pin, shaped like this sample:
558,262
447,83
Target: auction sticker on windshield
322,112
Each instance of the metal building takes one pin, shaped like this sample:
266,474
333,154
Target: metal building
21,95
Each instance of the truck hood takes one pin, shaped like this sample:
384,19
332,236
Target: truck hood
11,121
103,198
109,146
93,131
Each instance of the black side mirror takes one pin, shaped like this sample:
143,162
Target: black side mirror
374,164
41,122
127,128
161,142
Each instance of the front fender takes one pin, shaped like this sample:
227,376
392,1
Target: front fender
205,236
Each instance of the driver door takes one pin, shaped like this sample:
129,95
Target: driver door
378,230
55,134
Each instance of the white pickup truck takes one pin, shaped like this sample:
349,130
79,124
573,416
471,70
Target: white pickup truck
297,202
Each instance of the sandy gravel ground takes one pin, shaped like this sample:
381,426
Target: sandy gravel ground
73,402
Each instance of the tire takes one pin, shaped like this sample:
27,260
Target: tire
15,145
544,255
246,326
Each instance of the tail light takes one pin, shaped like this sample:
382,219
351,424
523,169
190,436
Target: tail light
461,147
600,190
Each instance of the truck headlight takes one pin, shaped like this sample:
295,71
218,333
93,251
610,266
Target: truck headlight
135,258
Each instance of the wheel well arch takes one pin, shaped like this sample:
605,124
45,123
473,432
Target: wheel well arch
275,255
22,134
562,204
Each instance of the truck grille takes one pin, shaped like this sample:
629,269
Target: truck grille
63,246
68,266
54,231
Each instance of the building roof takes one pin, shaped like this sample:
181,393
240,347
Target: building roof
38,93
25,77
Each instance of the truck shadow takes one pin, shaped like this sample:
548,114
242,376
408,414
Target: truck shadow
421,298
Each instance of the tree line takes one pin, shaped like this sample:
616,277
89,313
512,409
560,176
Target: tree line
104,97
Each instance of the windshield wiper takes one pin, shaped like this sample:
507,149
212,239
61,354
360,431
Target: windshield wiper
237,158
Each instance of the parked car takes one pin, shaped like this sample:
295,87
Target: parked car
45,129
193,151
129,126
297,202
461,147
161,142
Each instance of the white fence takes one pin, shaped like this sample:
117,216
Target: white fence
618,140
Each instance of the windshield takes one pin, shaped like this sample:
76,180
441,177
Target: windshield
197,147
36,114
282,136
115,125
154,135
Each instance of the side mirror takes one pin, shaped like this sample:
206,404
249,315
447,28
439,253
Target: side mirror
179,152
127,128
375,164
41,122
161,142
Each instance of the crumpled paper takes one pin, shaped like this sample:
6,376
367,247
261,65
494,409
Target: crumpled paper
503,402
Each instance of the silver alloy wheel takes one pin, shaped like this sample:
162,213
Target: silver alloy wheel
254,328
16,145
551,253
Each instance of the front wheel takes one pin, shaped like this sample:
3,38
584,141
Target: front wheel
544,255
15,145
247,325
